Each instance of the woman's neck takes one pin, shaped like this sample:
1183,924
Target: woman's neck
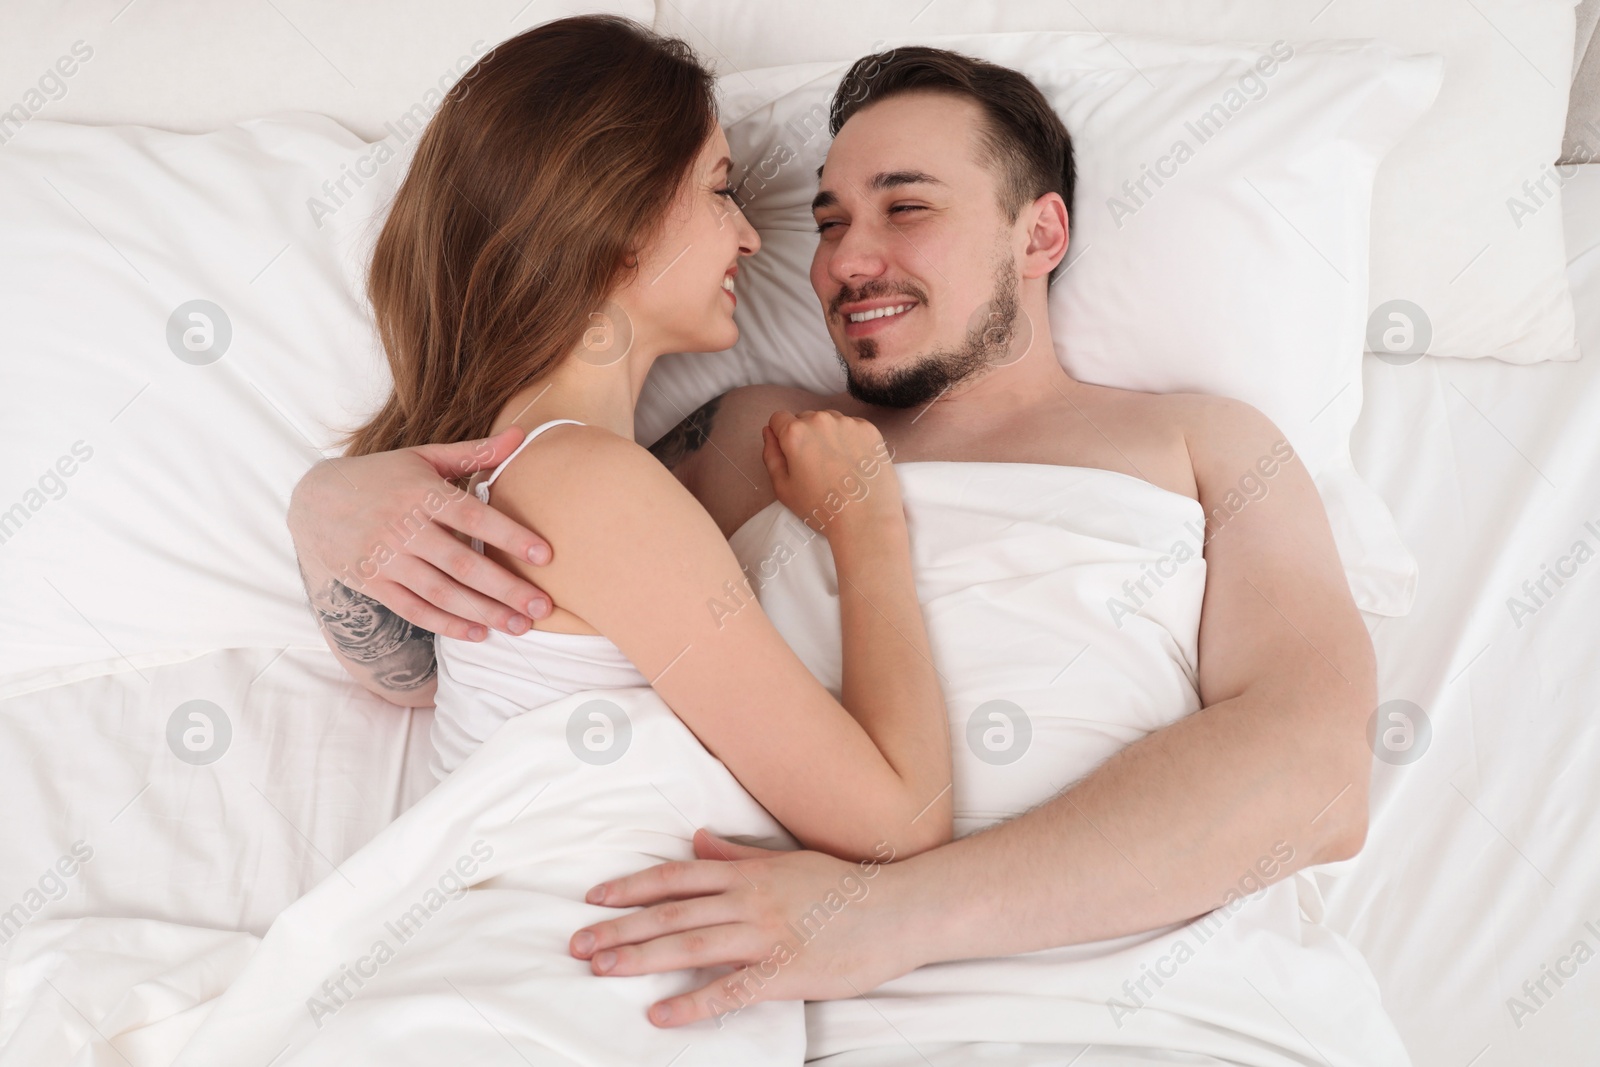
598,395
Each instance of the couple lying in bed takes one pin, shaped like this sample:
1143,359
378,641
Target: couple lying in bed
567,219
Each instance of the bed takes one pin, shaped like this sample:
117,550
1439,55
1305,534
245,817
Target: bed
1479,879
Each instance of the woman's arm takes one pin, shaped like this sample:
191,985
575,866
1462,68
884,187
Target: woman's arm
639,560
834,472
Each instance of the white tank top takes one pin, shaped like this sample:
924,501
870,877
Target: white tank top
484,683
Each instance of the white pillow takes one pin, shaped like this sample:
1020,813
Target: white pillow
169,536
1454,231
1244,274
197,65
142,496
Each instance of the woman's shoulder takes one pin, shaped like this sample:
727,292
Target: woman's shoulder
612,514
580,474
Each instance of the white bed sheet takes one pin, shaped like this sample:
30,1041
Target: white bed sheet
1480,868
1482,865
315,766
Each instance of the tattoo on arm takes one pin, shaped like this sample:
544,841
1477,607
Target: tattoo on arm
398,653
689,436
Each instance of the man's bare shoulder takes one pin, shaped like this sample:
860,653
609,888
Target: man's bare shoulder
1208,428
753,405
1227,440
716,450
724,420
1142,434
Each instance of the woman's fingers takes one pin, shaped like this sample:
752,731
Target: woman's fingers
772,455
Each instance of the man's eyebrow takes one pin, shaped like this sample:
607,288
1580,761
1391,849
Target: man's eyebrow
888,179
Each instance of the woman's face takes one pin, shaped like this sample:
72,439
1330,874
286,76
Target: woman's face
682,296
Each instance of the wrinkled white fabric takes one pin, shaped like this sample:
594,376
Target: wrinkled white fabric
445,938
1063,610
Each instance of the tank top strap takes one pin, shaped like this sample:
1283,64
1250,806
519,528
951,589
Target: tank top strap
482,487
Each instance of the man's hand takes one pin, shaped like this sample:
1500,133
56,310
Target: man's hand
382,525
795,926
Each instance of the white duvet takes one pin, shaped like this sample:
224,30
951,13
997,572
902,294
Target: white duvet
1063,607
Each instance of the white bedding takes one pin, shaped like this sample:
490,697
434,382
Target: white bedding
529,825
1047,670
1019,566
1480,869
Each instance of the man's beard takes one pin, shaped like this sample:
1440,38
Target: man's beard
930,376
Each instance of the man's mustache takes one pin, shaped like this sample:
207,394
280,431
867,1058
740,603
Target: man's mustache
873,290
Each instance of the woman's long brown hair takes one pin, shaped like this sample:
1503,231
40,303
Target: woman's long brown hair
550,163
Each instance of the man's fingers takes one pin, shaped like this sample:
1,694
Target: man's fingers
665,881
708,946
476,519
448,596
464,457
505,599
636,928
708,846
726,994
412,608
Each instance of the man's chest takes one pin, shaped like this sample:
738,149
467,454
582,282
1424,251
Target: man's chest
734,486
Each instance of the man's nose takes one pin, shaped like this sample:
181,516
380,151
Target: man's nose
860,254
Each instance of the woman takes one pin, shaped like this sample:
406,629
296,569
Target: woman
567,219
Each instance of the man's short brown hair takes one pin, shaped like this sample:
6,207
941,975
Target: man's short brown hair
1021,131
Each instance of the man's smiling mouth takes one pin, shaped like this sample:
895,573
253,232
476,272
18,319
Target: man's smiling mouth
880,313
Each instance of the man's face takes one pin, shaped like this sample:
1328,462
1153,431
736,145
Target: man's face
911,230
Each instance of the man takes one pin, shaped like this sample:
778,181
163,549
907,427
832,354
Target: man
942,213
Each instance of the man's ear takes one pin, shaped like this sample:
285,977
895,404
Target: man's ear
1048,235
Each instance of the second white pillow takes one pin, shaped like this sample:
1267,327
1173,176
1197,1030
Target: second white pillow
1219,237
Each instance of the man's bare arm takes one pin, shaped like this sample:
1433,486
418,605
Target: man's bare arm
684,440
384,568
385,653
1269,776
716,450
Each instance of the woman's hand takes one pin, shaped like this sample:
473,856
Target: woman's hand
829,468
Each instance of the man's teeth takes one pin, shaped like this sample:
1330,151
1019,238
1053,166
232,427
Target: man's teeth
727,282
878,313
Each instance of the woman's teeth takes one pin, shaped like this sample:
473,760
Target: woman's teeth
727,282
878,313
